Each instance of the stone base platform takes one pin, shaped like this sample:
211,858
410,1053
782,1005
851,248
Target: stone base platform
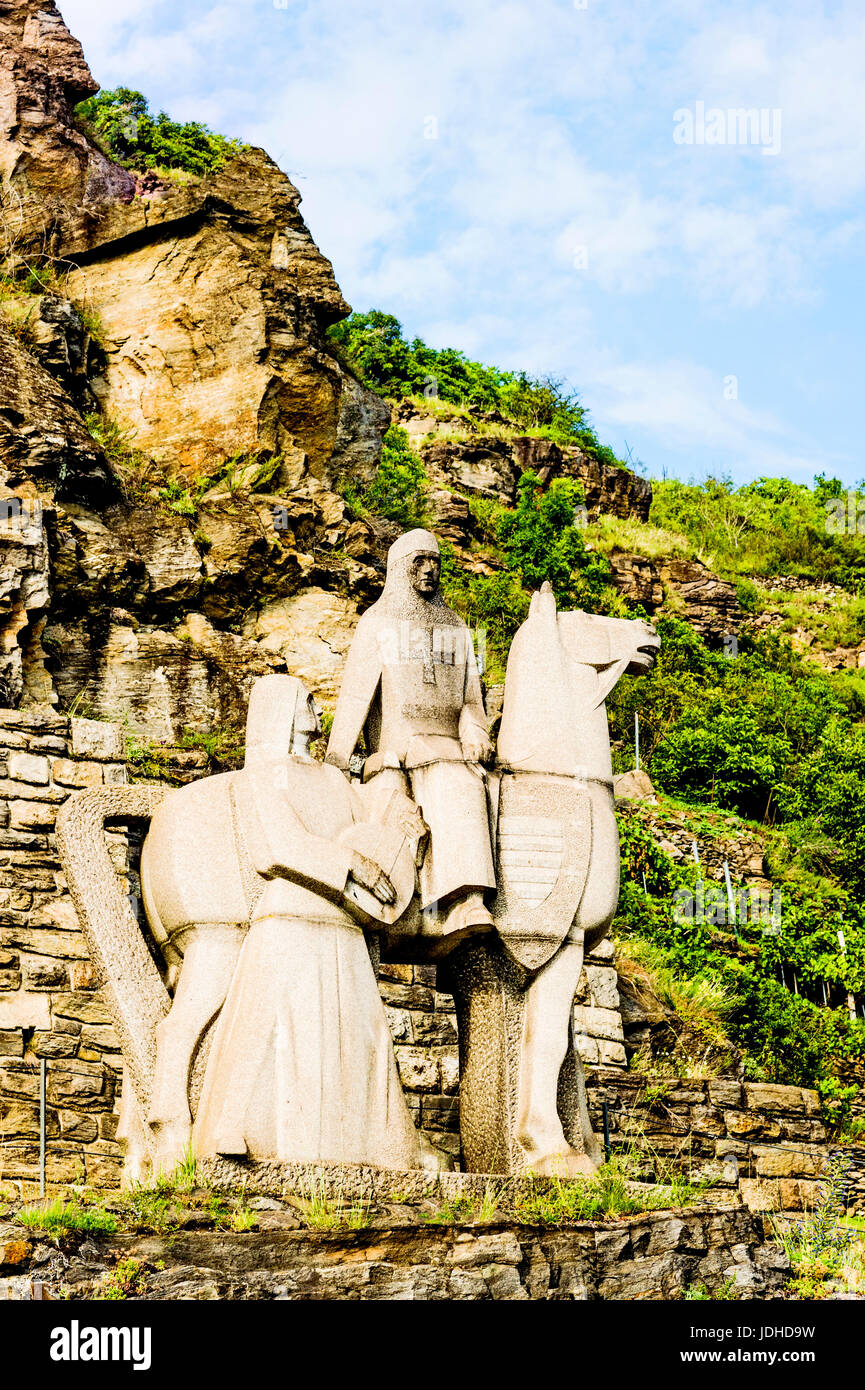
355,1182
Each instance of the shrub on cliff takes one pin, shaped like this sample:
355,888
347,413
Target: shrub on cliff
373,346
122,123
399,488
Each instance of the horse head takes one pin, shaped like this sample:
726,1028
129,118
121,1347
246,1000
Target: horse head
561,668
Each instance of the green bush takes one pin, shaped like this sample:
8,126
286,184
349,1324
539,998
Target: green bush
400,486
373,346
121,121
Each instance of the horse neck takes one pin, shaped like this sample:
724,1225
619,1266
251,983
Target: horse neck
552,721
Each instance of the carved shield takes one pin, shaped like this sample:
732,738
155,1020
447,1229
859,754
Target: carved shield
543,846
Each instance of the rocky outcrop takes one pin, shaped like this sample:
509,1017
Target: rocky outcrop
484,454
213,302
43,440
194,315
655,1256
707,602
637,579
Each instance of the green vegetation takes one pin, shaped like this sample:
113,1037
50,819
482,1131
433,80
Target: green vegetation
135,471
724,981
398,490
539,540
609,1193
121,122
373,347
59,1217
825,1249
150,761
322,1209
769,527
128,1279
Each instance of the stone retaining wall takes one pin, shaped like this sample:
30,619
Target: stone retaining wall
767,1141
49,1005
655,1256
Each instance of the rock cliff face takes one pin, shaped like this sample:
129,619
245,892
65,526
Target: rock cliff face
191,320
466,450
174,426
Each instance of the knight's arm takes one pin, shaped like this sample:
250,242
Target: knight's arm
281,847
359,684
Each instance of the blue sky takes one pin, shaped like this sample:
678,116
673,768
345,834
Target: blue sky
504,178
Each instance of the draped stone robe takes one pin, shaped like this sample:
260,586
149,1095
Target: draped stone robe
302,1065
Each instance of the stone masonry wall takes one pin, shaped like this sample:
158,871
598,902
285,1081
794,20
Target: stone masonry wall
51,1005
768,1142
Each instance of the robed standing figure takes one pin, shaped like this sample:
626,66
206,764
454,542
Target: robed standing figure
411,688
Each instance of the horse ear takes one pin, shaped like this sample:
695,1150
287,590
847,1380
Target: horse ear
543,604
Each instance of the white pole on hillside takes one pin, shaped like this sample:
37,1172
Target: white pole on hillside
731,901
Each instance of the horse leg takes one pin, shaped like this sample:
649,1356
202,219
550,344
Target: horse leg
209,957
546,1035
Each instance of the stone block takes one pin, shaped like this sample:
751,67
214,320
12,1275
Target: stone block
10,979
760,1194
67,773
438,1028
11,1043
599,1023
417,1069
54,1044
787,1162
40,972
28,791
85,1008
99,1038
94,738
440,1113
406,996
82,975
611,1054
603,986
399,1023
785,1100
743,1125
25,1009
28,767
449,1062
115,774
74,1125
42,941
725,1094
587,1048
31,815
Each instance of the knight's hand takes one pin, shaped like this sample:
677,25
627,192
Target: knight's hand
372,877
478,750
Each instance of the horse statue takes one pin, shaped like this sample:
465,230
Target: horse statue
556,853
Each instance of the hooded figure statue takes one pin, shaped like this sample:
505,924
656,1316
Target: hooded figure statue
302,1066
411,687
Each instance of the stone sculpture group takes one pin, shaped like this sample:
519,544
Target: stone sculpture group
251,1023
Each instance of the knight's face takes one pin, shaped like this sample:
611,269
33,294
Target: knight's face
425,571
